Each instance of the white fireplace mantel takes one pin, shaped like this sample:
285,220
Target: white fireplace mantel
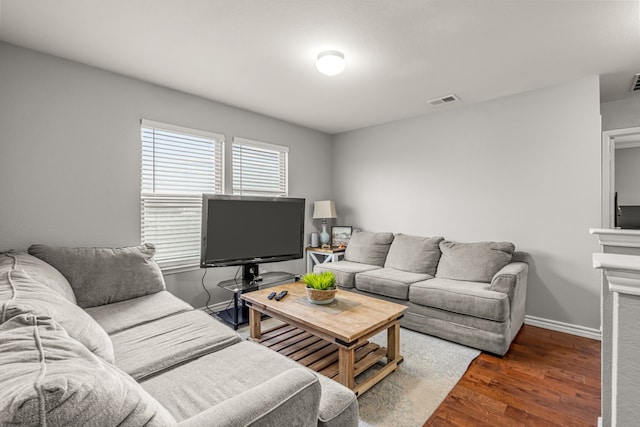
623,272
617,237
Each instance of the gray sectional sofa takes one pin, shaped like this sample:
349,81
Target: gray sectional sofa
90,336
470,293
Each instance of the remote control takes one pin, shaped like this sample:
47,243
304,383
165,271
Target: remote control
271,295
281,295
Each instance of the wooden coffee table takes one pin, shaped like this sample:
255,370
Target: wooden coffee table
343,325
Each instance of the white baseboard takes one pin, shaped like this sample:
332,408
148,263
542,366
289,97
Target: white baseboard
568,328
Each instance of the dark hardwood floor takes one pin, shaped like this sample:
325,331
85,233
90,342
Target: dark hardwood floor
546,379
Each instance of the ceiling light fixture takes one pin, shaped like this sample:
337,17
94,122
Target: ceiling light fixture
330,62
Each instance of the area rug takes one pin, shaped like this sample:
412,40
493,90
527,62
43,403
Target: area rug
408,397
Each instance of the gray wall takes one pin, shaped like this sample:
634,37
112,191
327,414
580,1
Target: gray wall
621,114
70,157
524,169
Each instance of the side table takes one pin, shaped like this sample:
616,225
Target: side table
321,256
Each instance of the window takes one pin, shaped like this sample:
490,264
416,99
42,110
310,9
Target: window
178,165
259,169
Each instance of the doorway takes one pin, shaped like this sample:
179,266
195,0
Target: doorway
614,142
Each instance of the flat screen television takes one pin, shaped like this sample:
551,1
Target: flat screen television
248,230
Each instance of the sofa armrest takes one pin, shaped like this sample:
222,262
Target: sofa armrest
290,398
512,280
509,277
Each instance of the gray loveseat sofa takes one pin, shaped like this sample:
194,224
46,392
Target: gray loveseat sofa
90,337
470,293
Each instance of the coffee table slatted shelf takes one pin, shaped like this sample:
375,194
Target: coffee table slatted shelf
316,353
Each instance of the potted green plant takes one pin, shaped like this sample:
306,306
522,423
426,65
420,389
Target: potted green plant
320,287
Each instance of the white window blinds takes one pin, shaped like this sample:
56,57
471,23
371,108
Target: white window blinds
259,169
178,165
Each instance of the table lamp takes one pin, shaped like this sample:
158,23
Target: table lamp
322,210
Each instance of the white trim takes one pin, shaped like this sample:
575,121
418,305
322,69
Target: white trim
223,163
622,272
619,263
607,170
187,131
568,328
627,144
624,282
617,237
260,144
631,289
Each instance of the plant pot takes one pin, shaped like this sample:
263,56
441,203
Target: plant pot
317,296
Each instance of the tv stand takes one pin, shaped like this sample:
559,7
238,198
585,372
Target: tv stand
250,272
239,313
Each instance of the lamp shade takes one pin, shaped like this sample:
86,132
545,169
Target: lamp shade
324,209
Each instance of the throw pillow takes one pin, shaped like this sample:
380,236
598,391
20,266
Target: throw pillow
368,248
414,254
39,270
20,294
101,276
474,262
48,378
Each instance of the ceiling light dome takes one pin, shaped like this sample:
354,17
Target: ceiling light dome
330,62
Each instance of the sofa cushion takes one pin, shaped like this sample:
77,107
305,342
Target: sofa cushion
290,398
39,270
209,380
152,347
137,311
388,282
345,271
476,262
414,254
468,298
421,317
368,248
104,275
20,294
48,378
488,335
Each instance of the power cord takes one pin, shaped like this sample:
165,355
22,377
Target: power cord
235,278
206,304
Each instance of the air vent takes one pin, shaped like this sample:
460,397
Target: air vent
635,86
444,100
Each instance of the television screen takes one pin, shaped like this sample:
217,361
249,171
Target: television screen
250,230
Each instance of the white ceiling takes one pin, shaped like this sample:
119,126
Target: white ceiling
259,54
